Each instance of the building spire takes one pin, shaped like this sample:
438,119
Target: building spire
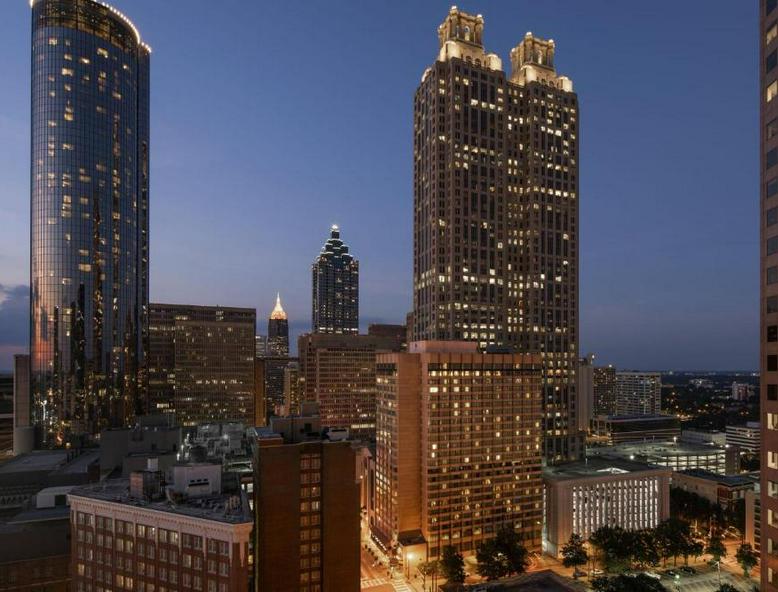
278,312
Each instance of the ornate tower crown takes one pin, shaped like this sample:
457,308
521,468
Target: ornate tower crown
461,26
278,312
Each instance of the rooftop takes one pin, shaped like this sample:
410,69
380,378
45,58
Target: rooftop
219,508
598,466
728,480
658,448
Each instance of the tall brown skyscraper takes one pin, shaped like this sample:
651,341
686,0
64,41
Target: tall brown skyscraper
768,154
496,210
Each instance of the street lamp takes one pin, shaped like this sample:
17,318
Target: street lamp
409,558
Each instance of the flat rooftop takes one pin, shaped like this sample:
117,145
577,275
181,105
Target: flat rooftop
728,480
658,448
213,507
597,466
39,460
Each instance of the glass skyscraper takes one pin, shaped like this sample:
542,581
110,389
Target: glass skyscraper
335,288
89,264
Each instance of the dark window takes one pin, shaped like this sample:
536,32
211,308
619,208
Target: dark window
772,216
772,274
772,157
772,304
771,61
772,187
772,392
772,333
770,5
772,363
772,245
771,129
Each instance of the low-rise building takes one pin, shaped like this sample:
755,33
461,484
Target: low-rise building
718,489
693,436
677,456
616,429
140,534
584,495
745,437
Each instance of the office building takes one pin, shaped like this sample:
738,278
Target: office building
278,332
140,534
745,437
274,372
723,490
306,500
261,346
89,228
201,362
678,456
458,448
335,275
582,496
397,332
293,389
585,393
638,393
495,245
742,391
338,372
695,436
604,380
616,429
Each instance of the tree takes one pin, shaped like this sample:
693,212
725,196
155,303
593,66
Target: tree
643,548
614,547
503,555
574,553
429,569
746,557
452,565
716,548
726,588
674,538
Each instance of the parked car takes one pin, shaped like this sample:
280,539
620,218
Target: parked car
688,569
653,574
671,572
596,572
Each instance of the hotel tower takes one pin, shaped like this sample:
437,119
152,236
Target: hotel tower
89,252
495,210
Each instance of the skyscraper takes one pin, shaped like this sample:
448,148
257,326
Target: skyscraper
278,331
496,210
604,379
768,197
89,264
638,393
335,288
201,363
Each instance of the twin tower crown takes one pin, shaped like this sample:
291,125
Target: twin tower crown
461,36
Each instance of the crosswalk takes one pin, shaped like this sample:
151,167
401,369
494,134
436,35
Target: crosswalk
372,582
400,585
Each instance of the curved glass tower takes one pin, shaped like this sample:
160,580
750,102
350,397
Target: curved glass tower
335,288
89,259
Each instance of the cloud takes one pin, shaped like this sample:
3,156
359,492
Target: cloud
14,323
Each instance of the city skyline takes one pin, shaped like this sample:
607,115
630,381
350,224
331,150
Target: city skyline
658,321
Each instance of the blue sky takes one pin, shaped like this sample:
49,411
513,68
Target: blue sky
273,120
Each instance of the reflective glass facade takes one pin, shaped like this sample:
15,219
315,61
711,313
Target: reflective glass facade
89,217
335,288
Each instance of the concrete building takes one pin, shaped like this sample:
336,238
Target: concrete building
338,372
306,500
604,381
397,332
602,491
585,393
742,391
201,362
746,437
617,429
495,160
458,448
188,535
124,450
335,280
638,393
718,489
677,456
24,431
693,436
89,219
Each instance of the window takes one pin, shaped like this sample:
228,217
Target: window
772,304
770,61
771,129
772,187
772,157
772,89
772,274
772,33
772,363
772,333
769,6
772,245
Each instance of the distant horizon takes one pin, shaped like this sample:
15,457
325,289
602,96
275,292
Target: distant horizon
261,139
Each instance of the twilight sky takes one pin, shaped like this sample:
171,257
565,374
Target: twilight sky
273,120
